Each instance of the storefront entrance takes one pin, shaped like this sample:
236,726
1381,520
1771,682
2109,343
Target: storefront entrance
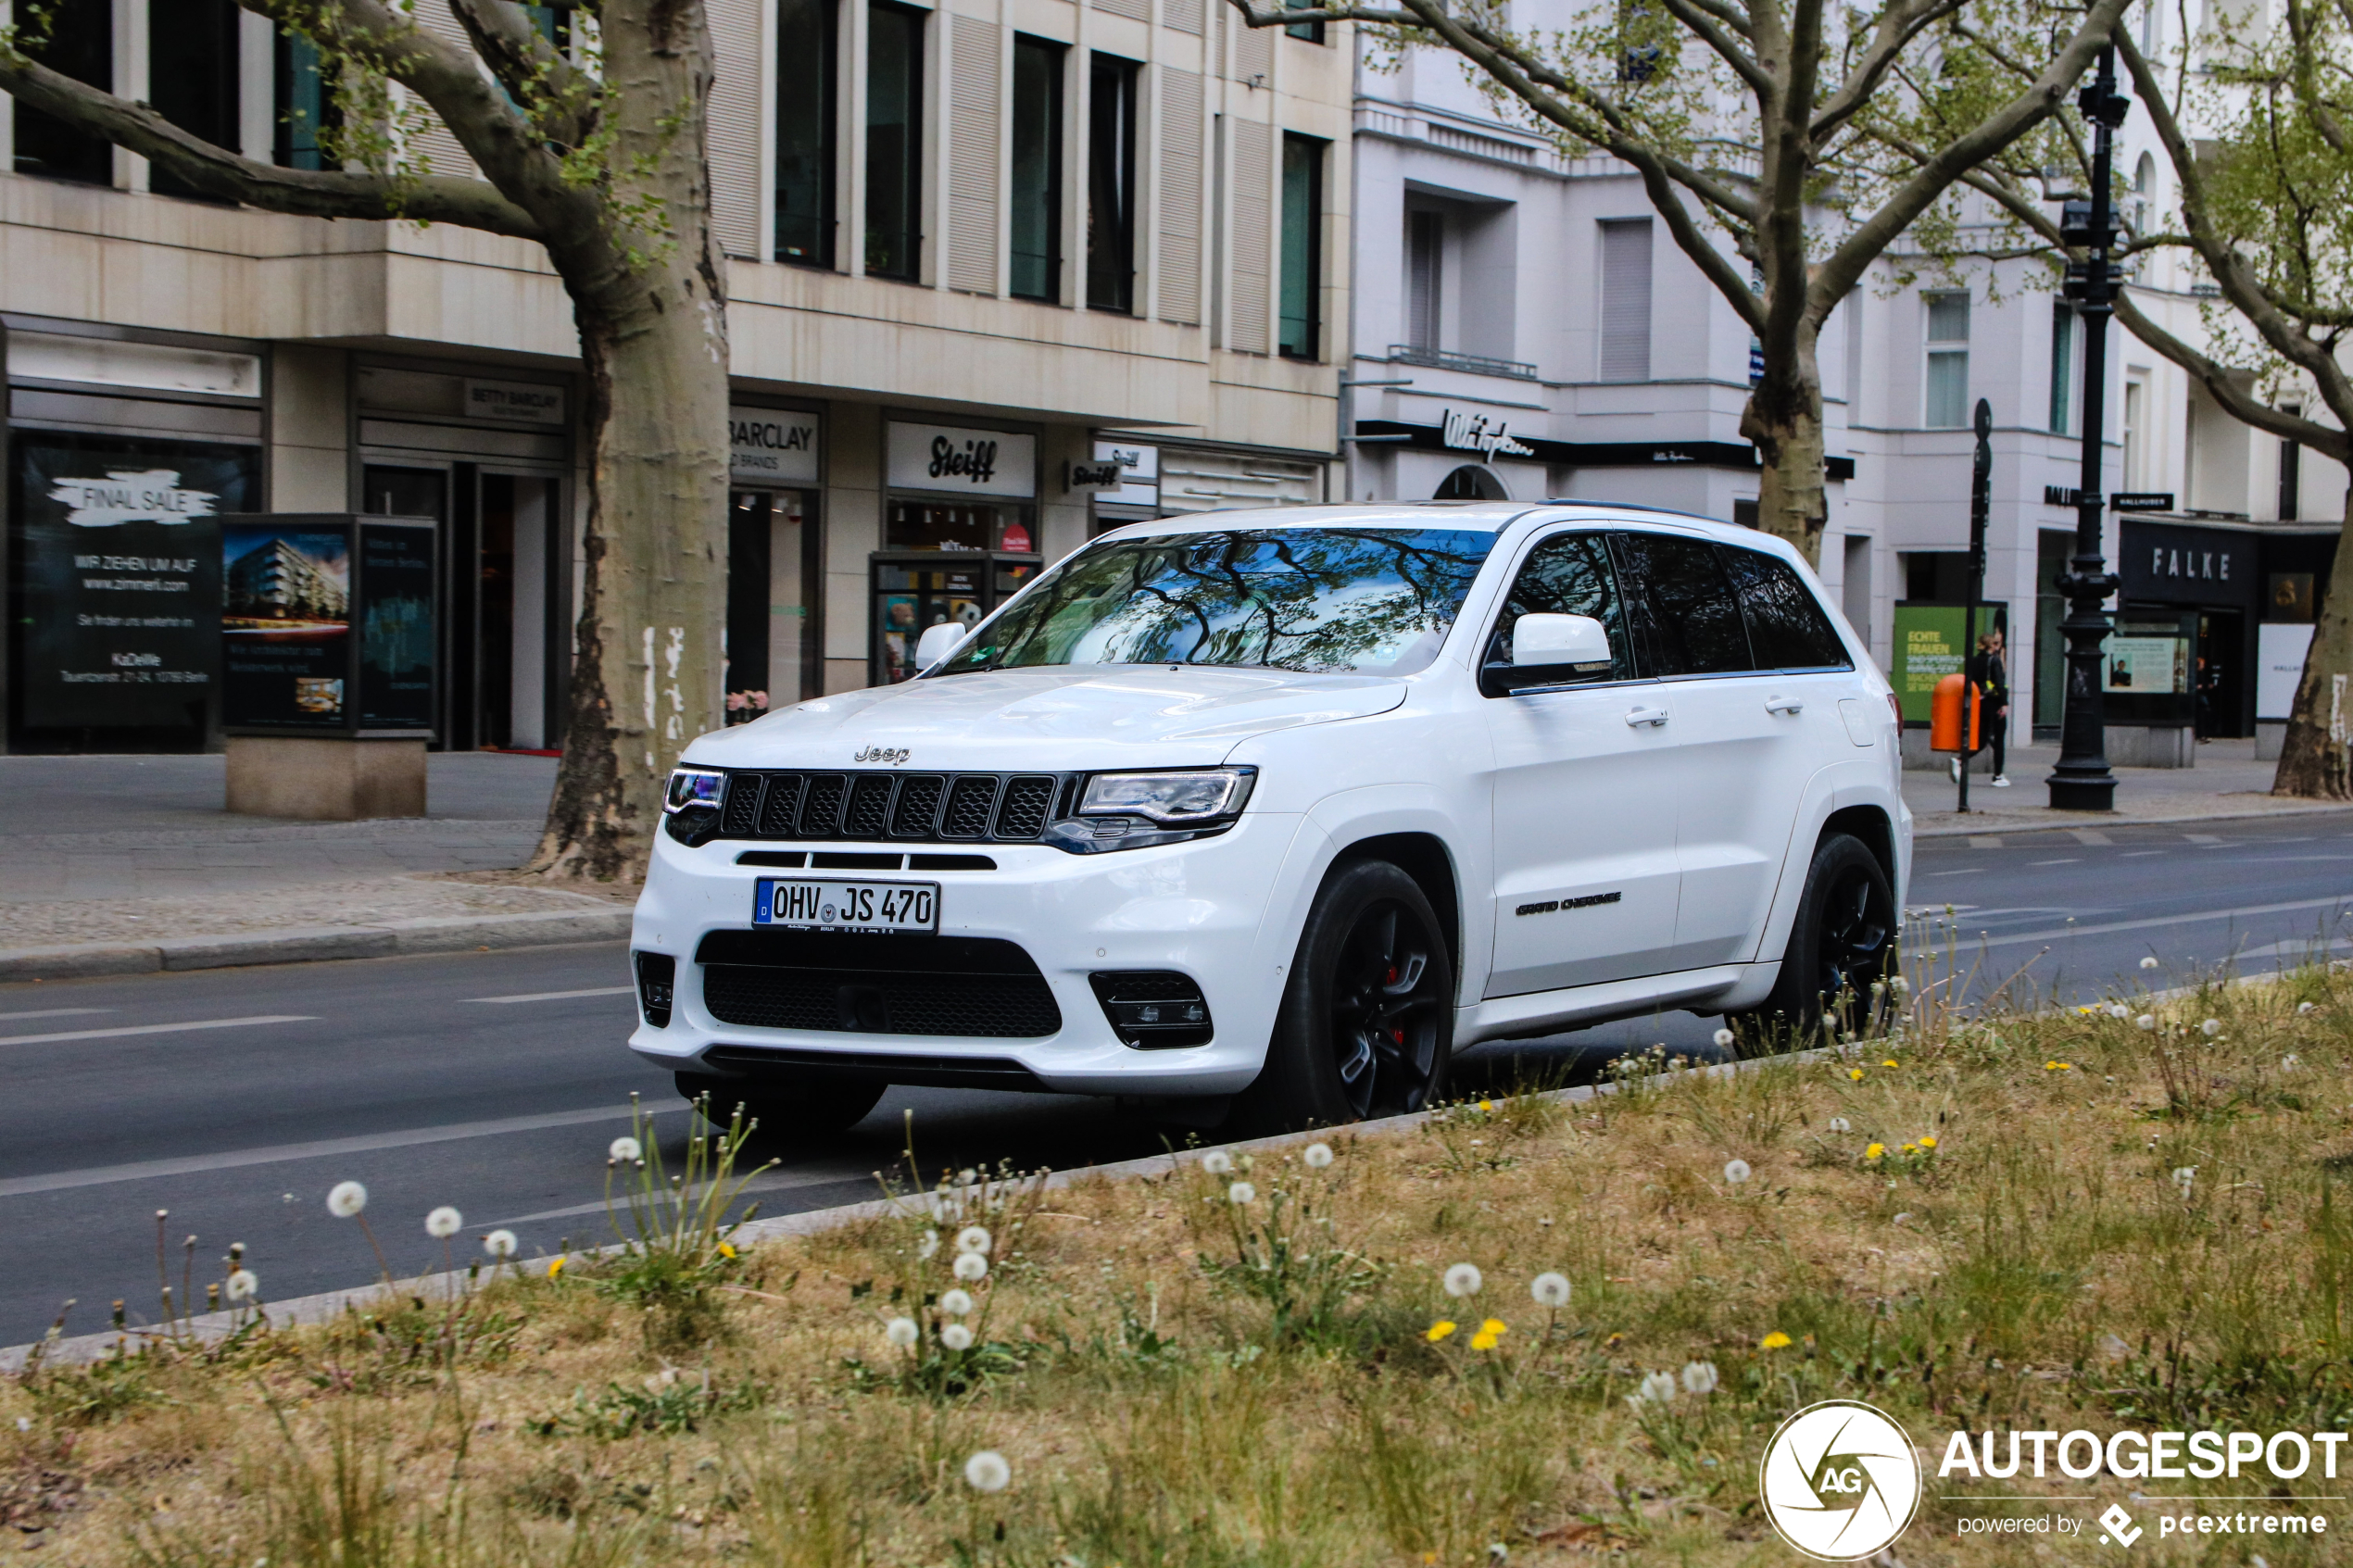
503,597
2220,678
773,571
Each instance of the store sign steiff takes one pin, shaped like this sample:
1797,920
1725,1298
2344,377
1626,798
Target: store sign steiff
771,447
1474,433
1124,473
962,461
514,402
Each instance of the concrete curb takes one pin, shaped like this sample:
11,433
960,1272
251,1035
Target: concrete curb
1996,825
452,934
303,1310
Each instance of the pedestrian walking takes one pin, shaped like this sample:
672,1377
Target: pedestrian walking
1989,678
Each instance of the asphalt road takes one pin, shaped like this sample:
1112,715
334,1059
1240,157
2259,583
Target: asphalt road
234,1098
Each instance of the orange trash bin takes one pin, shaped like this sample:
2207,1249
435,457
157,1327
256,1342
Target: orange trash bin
1945,708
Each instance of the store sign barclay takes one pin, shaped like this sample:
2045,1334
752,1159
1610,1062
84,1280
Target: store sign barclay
771,447
962,461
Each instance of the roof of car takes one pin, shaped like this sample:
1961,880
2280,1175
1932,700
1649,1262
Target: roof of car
1490,517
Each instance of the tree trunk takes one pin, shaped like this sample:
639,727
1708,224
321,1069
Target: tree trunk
2314,760
654,339
1784,420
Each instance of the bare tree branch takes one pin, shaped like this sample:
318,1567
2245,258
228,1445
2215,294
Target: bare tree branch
1898,25
557,98
430,198
1727,48
2227,387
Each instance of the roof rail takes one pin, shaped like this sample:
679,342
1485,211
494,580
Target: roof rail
1626,507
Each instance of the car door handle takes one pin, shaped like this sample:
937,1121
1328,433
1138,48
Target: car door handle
1784,705
1638,717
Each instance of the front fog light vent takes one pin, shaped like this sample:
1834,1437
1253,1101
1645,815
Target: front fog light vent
1153,1008
657,983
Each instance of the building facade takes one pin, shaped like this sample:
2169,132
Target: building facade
1001,272
1523,327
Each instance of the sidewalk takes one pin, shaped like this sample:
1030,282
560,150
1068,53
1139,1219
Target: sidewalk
2227,782
112,865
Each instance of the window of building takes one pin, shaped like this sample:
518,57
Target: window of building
1111,184
1038,170
307,118
806,117
894,141
2062,367
1626,299
1948,360
2291,469
2144,186
193,83
1425,280
1303,248
1309,33
80,44
2134,479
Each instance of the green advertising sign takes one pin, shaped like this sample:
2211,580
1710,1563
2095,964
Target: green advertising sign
1931,640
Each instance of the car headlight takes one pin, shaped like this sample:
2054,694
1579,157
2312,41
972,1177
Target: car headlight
694,786
1186,799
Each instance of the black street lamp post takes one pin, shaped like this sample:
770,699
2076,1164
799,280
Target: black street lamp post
2082,782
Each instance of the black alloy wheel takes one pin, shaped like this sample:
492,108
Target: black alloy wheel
1367,1020
1841,947
1384,1012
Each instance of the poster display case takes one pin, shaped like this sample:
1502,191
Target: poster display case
327,625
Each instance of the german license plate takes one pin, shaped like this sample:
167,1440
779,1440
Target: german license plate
810,904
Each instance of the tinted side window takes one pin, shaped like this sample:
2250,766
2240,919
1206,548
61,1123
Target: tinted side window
1567,574
1786,627
1690,624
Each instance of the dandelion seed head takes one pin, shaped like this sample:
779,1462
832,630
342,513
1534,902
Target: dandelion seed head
970,1267
1317,1156
1240,1193
243,1287
2287,1062
1217,1163
499,1244
1550,1289
974,1238
1724,1038
625,1150
444,1222
928,1246
901,1332
1736,1171
2211,1028
956,1303
1699,1377
1841,1124
1462,1279
1658,1388
2117,1009
967,1176
2146,1021
956,1337
2149,962
987,1472
346,1199
2303,1008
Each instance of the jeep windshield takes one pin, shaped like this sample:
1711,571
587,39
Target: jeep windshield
1363,601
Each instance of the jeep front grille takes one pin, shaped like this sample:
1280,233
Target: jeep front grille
912,808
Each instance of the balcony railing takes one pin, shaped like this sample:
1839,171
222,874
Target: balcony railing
1447,359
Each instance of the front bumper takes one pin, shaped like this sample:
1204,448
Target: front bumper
1204,908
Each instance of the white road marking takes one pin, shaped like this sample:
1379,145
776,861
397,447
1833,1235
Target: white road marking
2341,901
232,1159
560,996
55,1012
128,1029
1985,841
2089,835
2070,860
2135,854
2204,837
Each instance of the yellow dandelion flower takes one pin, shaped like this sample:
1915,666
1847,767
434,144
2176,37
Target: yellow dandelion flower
1775,1341
1493,1326
1483,1340
1874,1151
555,1267
1440,1330
1487,1105
1855,1075
1889,1062
2066,1067
726,1249
1927,1142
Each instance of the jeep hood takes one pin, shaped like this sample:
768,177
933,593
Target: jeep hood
1061,718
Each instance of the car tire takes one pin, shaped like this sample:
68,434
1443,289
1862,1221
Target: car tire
798,1108
1367,1026
1840,947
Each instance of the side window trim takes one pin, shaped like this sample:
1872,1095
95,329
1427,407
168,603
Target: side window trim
1503,606
1826,625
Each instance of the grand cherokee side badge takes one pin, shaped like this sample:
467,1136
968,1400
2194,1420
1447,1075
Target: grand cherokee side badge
1587,902
892,755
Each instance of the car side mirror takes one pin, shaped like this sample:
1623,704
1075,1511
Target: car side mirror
1543,640
938,643
1548,650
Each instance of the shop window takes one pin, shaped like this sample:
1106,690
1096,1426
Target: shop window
79,44
805,119
2051,550
1036,172
1948,360
2062,367
193,80
1303,248
1111,184
959,525
894,141
772,624
1626,300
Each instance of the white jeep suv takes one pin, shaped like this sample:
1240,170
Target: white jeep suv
1269,812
